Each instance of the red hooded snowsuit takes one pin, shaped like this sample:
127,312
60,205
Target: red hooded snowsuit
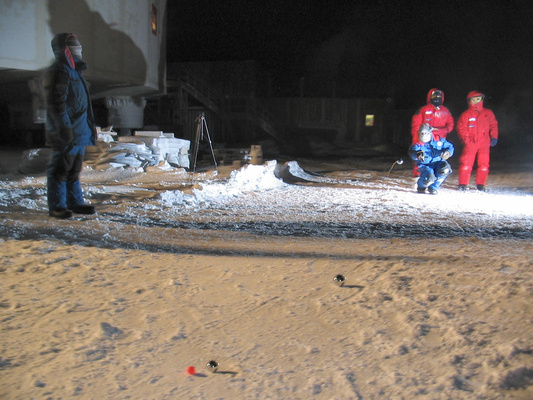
436,116
476,127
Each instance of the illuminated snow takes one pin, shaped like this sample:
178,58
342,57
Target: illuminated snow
342,202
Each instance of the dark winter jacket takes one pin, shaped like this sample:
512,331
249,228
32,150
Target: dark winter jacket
437,117
432,151
70,119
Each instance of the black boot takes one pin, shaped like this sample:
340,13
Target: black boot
61,213
83,209
433,190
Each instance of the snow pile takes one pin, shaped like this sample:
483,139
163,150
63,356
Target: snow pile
296,170
248,179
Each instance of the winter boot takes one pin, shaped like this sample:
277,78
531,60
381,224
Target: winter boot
461,188
61,213
481,188
83,209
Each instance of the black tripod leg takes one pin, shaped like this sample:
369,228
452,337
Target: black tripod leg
211,146
197,142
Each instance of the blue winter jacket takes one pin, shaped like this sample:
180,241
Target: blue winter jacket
432,151
70,119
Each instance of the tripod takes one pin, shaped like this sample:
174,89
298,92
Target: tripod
200,128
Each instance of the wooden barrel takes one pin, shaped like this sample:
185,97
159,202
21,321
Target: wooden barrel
256,155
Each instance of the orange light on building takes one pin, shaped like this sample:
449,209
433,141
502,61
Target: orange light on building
154,20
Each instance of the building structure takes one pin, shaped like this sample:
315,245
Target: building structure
124,44
236,99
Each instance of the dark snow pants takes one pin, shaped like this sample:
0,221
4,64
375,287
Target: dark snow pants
434,174
63,177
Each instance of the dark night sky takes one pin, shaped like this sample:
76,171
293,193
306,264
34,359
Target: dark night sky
375,48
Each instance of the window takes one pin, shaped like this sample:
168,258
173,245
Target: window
369,120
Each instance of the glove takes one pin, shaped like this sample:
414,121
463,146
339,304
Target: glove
493,142
445,155
65,134
420,155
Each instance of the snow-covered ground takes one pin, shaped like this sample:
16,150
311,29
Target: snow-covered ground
341,199
237,265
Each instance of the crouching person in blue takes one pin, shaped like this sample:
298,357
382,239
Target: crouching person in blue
69,127
430,156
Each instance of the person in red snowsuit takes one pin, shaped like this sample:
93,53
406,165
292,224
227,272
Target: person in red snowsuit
435,115
477,128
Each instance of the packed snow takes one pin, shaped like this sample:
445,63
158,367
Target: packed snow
237,265
324,199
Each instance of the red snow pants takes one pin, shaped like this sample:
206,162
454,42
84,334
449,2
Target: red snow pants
466,162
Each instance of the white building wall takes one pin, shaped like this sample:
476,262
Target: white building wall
25,35
123,54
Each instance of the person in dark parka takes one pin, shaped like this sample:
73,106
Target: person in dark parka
69,127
